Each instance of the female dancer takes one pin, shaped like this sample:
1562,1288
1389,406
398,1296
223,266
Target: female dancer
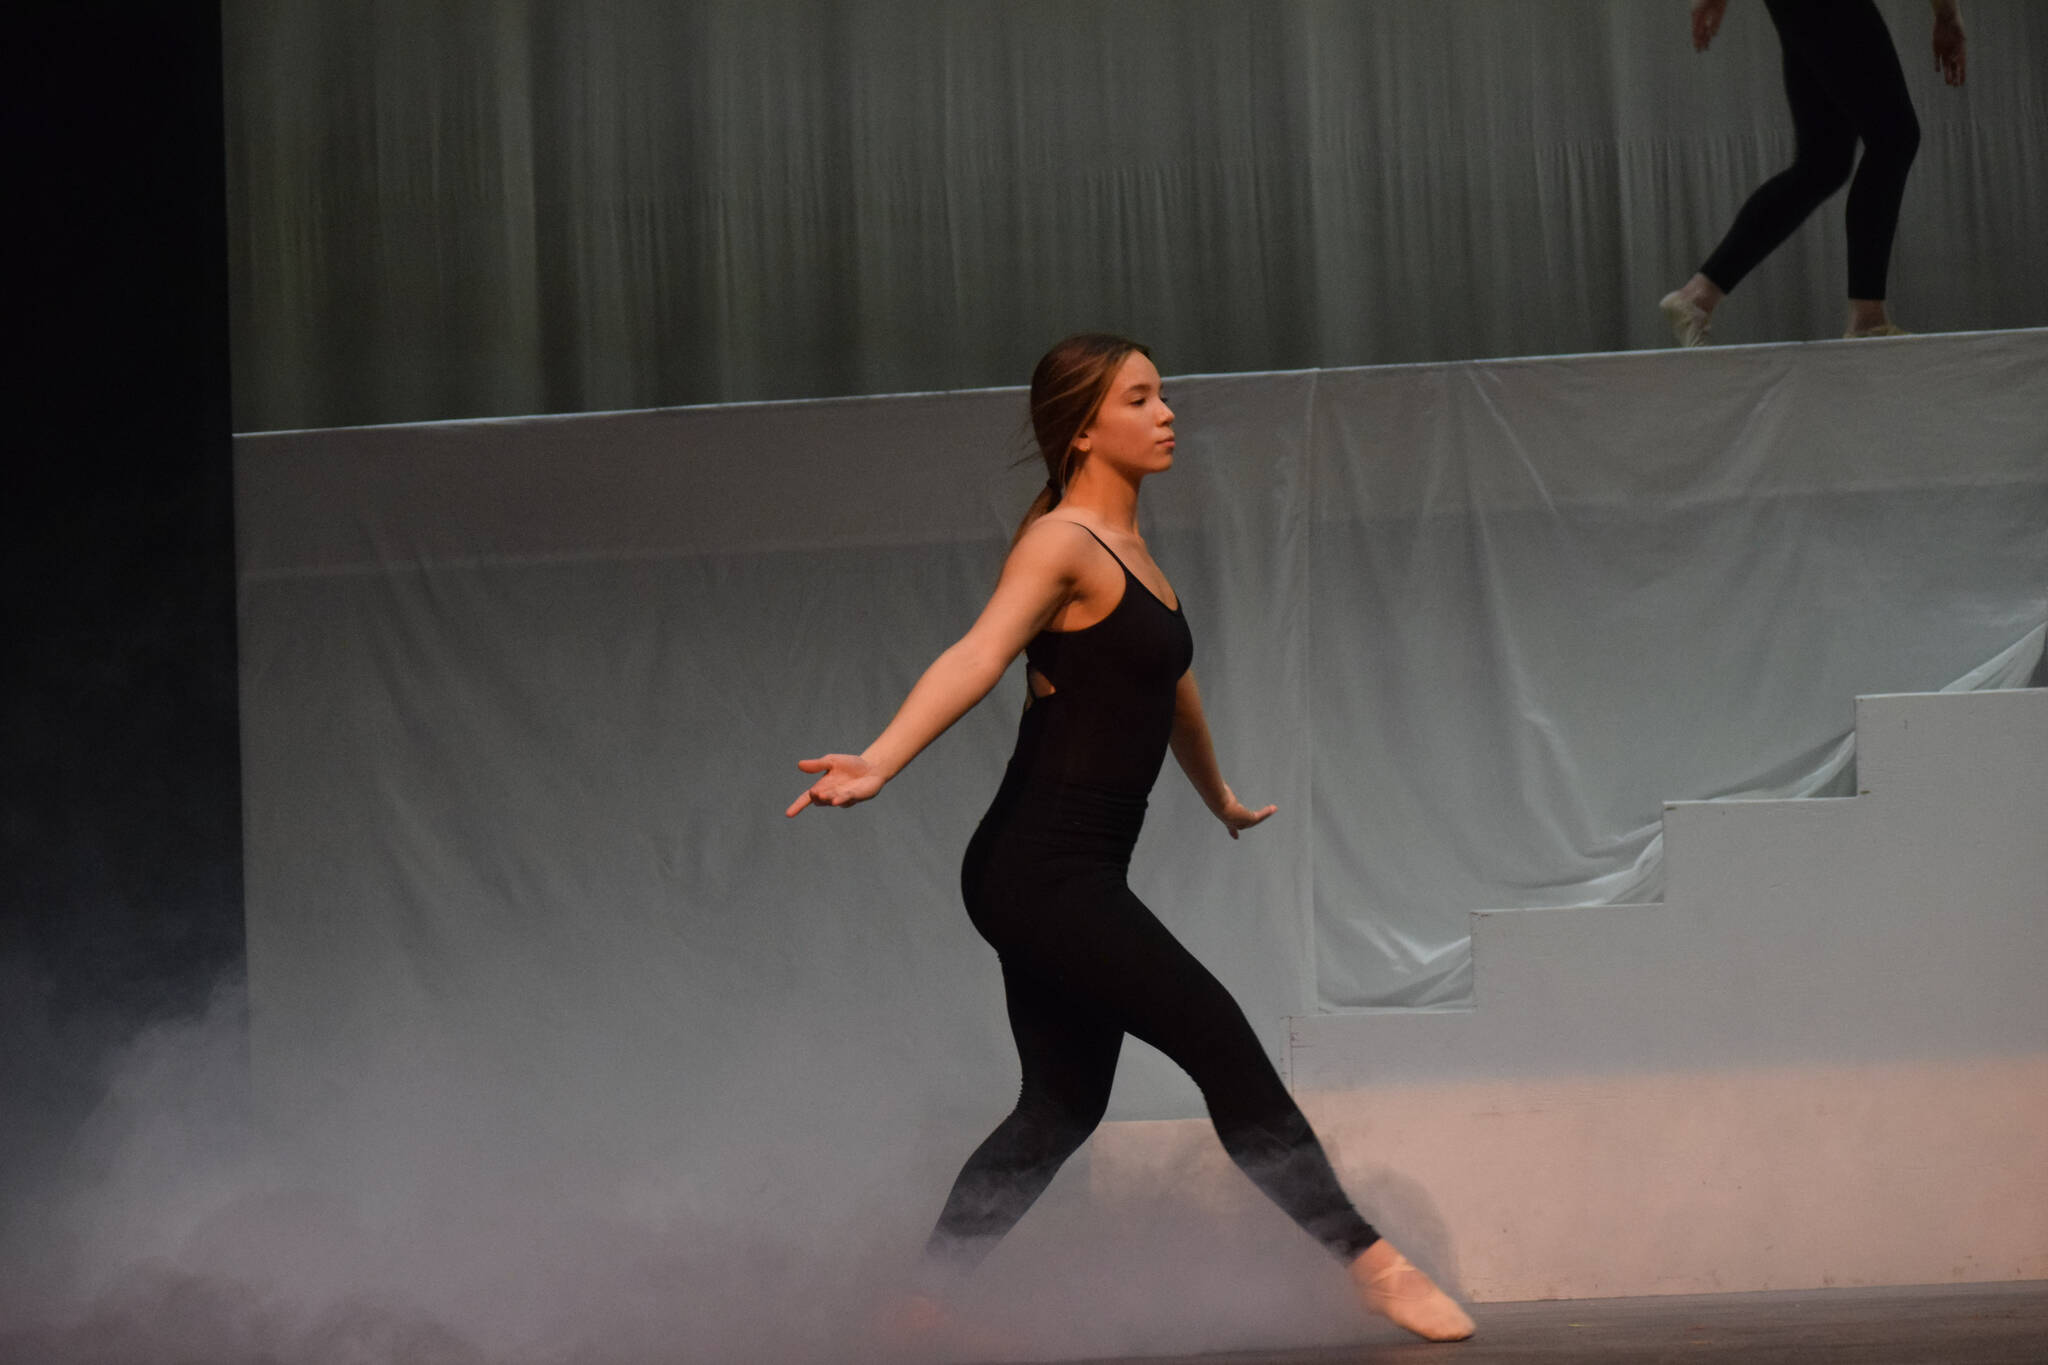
1843,80
1084,962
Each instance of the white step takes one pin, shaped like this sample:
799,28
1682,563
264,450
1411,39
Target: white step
1822,1060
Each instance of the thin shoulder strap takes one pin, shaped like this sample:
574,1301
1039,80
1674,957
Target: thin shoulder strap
1105,545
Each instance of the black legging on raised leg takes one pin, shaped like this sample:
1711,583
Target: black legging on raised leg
1843,80
1084,962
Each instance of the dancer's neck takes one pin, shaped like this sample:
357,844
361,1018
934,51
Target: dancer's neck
1109,498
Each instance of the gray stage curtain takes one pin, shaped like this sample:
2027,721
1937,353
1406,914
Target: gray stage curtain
517,206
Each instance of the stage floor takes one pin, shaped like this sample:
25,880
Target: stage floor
1978,1324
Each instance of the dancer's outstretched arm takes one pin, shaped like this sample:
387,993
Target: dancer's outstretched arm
1196,754
1037,579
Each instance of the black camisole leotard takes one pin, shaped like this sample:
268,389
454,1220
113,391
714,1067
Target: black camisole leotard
1084,962
1107,722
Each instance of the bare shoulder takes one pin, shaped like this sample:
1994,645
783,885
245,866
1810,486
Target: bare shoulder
1052,544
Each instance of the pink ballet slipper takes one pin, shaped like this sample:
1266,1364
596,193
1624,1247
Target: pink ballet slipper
1398,1292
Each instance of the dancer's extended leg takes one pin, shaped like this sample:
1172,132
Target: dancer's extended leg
1085,962
1067,1047
1824,153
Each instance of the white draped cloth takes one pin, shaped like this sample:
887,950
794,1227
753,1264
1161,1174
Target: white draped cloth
523,700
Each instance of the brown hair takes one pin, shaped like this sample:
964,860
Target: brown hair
1067,389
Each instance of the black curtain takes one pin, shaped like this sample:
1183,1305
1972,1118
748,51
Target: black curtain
120,820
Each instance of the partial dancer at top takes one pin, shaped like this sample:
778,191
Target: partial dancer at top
1084,961
1844,83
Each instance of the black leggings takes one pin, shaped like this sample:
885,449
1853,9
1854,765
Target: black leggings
1843,79
1084,962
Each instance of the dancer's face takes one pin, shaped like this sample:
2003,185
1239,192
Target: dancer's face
1133,429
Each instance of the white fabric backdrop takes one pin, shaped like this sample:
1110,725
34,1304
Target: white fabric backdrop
523,699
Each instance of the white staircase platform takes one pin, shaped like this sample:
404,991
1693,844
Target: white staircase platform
1823,1060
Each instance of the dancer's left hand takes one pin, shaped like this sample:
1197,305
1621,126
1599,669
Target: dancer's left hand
1236,816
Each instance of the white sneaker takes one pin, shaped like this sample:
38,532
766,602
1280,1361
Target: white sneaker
1688,320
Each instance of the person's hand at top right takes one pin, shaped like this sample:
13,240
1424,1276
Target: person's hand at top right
1706,22
1948,44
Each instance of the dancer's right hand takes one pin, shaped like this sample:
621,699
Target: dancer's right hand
1949,44
848,778
1706,22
